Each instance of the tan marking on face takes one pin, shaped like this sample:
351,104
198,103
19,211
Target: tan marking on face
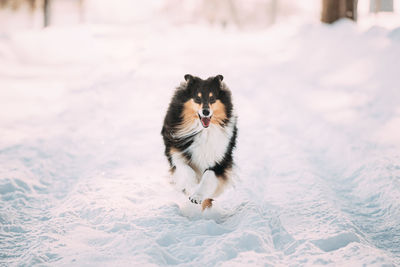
199,94
219,114
211,94
189,115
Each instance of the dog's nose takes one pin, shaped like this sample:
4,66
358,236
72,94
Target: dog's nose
206,112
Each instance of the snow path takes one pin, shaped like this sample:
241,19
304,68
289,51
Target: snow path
83,179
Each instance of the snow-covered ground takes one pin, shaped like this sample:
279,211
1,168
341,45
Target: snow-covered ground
83,178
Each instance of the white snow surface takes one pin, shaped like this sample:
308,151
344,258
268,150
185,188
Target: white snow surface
83,177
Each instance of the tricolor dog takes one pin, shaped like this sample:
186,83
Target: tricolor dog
199,134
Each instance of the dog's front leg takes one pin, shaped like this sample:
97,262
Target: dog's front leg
183,176
208,187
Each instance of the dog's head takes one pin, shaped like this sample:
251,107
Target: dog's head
206,99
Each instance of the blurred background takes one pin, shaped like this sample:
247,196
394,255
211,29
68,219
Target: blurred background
35,14
85,84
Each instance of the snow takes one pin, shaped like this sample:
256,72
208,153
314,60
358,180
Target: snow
83,178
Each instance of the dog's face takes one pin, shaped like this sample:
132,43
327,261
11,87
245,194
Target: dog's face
205,102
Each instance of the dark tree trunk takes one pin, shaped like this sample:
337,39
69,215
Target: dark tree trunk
46,13
332,10
351,9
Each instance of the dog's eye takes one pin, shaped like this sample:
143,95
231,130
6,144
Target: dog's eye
211,97
197,99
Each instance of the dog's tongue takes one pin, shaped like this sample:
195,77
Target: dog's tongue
205,121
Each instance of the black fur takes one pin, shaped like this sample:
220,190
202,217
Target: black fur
173,119
227,162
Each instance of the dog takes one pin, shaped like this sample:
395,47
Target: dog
199,133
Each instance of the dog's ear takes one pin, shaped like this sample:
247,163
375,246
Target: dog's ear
188,78
218,80
219,77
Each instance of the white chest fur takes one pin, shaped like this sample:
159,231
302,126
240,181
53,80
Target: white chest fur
209,146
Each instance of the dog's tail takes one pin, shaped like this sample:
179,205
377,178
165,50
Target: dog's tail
206,204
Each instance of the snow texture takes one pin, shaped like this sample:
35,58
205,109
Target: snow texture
83,178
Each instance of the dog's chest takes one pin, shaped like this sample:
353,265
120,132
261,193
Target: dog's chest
209,147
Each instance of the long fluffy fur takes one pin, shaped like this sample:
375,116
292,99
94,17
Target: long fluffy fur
201,149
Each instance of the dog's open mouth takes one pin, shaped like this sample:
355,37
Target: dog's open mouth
205,121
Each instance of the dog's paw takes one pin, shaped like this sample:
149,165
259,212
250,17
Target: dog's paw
196,198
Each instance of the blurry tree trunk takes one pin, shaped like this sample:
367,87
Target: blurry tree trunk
376,6
333,10
32,4
221,11
81,11
15,4
233,13
273,11
46,13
